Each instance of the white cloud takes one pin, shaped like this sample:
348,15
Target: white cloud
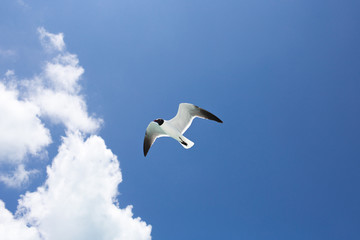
64,73
12,228
9,74
54,94
77,200
68,109
18,178
21,129
51,42
57,90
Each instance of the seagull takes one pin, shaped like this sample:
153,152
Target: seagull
176,126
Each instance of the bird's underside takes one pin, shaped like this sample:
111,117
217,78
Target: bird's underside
176,126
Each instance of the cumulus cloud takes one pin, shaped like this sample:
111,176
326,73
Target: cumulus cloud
12,228
21,129
54,94
79,197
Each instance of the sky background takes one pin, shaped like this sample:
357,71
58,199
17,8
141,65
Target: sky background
284,76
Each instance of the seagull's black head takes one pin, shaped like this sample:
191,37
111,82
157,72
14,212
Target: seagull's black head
159,121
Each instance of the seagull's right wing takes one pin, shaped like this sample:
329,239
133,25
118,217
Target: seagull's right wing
153,131
186,114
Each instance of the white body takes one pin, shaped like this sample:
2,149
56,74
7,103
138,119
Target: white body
172,132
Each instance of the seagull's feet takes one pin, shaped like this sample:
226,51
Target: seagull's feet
183,142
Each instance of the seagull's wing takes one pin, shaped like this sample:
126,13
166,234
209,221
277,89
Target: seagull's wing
186,113
153,131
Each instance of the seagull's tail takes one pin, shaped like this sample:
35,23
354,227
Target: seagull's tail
186,143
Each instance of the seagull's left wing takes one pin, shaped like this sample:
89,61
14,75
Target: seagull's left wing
186,114
153,131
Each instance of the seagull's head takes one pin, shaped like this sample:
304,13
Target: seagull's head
159,121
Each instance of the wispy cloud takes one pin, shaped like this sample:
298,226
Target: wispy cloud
18,178
6,53
57,91
50,41
78,198
22,3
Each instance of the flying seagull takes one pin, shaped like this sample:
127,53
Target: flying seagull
176,126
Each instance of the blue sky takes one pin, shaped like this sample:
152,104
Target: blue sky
283,76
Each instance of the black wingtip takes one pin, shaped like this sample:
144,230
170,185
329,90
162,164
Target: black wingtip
145,153
146,147
210,116
215,118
